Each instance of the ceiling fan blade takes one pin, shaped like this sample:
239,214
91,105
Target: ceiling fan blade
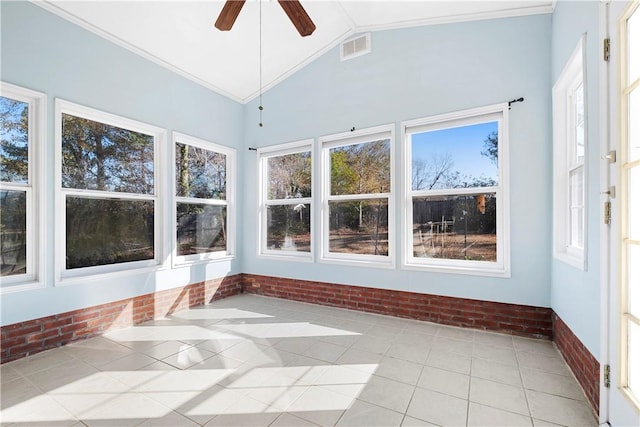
228,14
298,17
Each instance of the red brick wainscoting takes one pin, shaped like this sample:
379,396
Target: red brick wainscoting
584,366
507,318
32,336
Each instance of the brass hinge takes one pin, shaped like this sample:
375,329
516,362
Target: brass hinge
607,376
607,49
607,213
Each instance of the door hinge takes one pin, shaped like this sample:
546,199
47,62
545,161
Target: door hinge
607,213
607,49
611,156
607,376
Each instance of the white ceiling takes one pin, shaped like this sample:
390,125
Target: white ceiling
180,34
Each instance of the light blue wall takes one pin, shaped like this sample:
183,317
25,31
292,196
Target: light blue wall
43,52
575,294
414,73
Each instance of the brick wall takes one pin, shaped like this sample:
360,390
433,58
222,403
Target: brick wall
32,336
584,366
500,317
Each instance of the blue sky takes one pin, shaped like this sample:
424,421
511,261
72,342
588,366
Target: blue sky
464,144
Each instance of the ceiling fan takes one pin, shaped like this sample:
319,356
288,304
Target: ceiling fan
292,8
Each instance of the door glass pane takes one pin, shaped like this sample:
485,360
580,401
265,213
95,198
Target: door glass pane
464,156
13,232
104,231
633,278
634,357
14,140
634,203
359,227
289,176
201,228
634,125
455,227
361,168
289,228
200,173
97,156
633,29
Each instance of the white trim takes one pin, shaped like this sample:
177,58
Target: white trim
62,276
228,202
264,154
573,73
35,190
326,143
502,266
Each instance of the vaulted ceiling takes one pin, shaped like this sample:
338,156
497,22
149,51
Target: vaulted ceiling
180,34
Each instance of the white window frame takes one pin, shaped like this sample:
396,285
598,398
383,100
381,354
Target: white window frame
85,274
564,144
502,266
228,202
34,189
351,138
264,154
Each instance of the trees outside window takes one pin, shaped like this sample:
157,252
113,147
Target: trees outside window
108,205
203,189
21,145
286,201
357,196
455,190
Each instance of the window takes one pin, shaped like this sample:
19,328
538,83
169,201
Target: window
204,194
455,186
286,200
21,144
569,149
357,196
108,210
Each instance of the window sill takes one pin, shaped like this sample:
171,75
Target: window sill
186,261
459,269
575,261
287,256
27,285
101,276
362,262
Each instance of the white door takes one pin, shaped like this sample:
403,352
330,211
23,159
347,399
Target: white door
624,232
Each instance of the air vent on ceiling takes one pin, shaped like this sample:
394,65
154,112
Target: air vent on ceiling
356,46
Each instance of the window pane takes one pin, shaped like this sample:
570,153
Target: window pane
14,140
200,173
97,156
289,228
103,231
289,176
13,232
634,203
201,228
634,358
359,227
634,125
633,279
460,157
361,168
579,122
576,211
455,227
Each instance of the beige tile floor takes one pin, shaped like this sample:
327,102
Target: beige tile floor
250,360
